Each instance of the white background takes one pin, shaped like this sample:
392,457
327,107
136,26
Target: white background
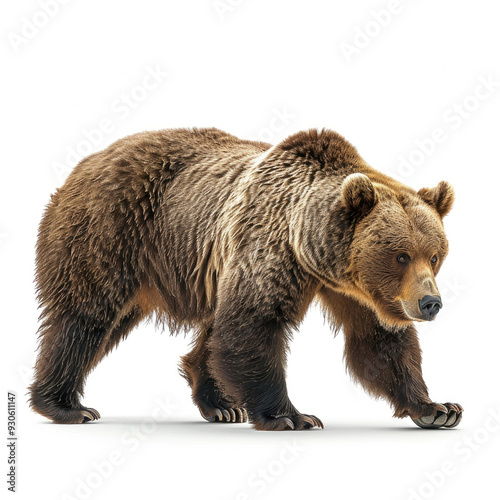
259,69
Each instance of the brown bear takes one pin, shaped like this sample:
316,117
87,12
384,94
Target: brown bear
234,239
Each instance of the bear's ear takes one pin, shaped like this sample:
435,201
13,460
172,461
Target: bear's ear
441,197
358,193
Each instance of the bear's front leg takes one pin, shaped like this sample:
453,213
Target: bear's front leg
388,363
252,325
248,362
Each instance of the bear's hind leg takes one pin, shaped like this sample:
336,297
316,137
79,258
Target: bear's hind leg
213,406
71,346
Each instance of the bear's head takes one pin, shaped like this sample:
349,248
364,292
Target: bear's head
398,246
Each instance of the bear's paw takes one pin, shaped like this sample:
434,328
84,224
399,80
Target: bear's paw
446,416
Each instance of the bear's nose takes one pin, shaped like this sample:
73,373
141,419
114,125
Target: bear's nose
430,306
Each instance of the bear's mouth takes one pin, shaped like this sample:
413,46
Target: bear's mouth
390,310
408,314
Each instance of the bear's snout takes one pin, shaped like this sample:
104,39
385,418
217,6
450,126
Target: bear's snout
429,306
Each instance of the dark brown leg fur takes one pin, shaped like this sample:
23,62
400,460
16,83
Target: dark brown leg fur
386,362
249,341
213,406
62,365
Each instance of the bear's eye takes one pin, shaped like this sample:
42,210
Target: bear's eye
434,259
403,258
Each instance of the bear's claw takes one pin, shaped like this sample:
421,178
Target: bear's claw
89,415
288,422
446,416
234,415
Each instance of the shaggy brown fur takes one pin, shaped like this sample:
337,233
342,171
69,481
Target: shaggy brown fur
235,239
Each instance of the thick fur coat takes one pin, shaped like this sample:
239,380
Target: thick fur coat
234,239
